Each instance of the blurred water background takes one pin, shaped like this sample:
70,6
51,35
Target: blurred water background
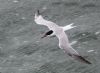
22,50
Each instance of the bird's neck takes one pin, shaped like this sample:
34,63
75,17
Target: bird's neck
40,20
51,25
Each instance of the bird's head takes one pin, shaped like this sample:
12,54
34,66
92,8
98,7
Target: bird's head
37,14
38,17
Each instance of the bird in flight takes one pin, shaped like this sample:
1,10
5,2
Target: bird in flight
59,32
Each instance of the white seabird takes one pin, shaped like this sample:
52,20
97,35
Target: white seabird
59,31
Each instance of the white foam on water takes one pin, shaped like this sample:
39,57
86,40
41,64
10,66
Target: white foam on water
73,42
25,41
21,69
17,14
23,18
37,41
83,34
44,8
90,51
15,1
98,32
12,56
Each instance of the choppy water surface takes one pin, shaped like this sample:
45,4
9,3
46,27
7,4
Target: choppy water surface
22,50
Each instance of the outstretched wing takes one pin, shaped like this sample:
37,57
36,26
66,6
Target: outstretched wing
81,59
64,44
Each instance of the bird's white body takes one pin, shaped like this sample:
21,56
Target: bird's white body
59,31
63,41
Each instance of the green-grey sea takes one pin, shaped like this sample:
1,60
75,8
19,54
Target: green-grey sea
23,51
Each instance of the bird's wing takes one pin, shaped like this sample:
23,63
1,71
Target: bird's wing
68,27
64,44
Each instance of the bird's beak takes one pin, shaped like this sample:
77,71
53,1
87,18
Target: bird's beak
37,13
44,36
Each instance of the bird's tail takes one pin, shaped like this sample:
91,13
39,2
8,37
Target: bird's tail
81,59
68,27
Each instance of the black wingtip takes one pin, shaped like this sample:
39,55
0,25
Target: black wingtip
82,59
